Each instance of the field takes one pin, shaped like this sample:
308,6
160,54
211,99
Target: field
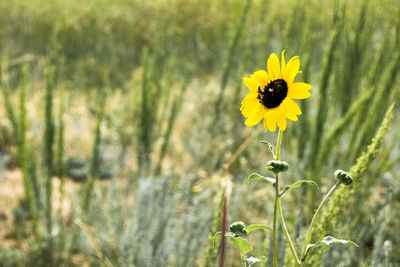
122,141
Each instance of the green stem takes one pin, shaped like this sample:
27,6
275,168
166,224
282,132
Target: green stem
277,155
278,145
291,246
274,220
313,220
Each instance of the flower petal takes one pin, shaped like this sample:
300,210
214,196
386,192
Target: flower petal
298,92
261,77
251,84
292,117
291,70
292,107
256,116
251,97
249,109
273,67
281,120
304,86
269,121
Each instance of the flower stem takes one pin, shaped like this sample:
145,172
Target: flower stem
278,145
303,255
277,155
291,246
274,221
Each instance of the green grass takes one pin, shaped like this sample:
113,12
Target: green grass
133,108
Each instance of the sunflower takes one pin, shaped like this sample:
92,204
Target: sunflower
271,94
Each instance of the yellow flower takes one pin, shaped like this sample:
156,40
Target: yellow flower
271,94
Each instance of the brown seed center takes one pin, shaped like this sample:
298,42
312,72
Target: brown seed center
273,93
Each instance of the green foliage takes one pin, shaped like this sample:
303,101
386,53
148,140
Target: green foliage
170,128
29,180
298,184
48,155
329,240
336,211
256,177
322,111
94,166
211,250
236,230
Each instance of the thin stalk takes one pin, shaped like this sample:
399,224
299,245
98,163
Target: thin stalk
48,155
94,164
277,155
274,221
60,151
313,220
277,207
278,145
291,246
223,239
23,155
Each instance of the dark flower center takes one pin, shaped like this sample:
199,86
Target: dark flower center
273,93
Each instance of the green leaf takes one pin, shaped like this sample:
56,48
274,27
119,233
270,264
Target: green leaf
298,184
251,260
256,176
241,244
254,227
270,147
329,240
217,239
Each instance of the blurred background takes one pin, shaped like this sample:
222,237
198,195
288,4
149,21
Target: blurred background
119,120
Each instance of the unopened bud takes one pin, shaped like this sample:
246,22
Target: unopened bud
343,177
277,166
238,228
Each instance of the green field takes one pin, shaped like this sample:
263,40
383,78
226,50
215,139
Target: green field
121,132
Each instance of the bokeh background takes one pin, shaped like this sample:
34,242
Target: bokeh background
120,122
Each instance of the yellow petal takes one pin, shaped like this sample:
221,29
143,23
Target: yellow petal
281,120
255,117
251,97
298,93
249,109
269,121
291,69
292,117
248,106
251,84
273,67
261,77
304,86
283,63
292,107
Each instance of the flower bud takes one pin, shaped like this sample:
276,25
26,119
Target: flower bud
277,166
343,177
238,228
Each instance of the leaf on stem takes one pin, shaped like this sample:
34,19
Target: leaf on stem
298,184
251,260
254,227
241,244
329,240
270,147
256,176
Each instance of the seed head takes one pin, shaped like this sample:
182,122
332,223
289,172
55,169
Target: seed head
277,166
343,177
